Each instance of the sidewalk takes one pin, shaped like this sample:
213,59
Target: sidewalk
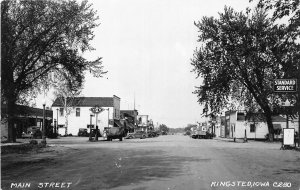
19,142
259,143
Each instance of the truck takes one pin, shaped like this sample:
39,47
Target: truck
114,133
201,132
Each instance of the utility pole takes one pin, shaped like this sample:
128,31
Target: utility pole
44,126
298,101
57,120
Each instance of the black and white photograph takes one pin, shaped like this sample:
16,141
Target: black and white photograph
150,94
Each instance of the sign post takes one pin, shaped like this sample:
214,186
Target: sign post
96,110
287,86
288,137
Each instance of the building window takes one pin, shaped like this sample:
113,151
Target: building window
252,128
77,112
277,129
241,116
61,112
115,113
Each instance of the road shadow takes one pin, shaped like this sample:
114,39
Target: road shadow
99,168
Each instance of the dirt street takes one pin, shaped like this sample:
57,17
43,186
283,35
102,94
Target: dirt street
166,162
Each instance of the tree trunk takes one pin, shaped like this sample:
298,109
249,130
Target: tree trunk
11,107
10,98
270,126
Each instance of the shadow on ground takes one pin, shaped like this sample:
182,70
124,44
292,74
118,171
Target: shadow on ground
99,168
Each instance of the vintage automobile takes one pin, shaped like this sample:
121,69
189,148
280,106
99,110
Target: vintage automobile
83,132
136,134
201,133
151,134
27,135
32,132
114,133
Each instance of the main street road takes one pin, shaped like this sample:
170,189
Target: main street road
166,162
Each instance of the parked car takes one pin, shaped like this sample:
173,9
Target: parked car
151,134
164,133
137,134
27,135
32,132
114,133
83,132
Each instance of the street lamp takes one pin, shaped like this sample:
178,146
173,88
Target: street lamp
108,117
44,126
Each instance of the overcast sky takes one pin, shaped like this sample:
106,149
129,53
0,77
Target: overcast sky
146,47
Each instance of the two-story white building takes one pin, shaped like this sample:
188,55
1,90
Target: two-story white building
81,116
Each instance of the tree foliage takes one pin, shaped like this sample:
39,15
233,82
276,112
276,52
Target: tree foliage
66,92
239,58
163,128
189,126
286,8
39,37
290,11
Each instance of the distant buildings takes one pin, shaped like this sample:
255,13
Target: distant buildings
236,125
25,118
81,116
129,118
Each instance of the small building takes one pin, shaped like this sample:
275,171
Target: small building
142,123
130,117
81,116
25,118
236,125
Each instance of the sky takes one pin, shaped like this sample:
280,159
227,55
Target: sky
146,46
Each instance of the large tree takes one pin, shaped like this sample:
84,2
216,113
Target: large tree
39,37
239,58
290,11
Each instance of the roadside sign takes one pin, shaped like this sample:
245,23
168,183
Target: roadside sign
285,85
90,126
288,136
96,110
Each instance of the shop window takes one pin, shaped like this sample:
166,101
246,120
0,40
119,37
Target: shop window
252,128
77,112
61,112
